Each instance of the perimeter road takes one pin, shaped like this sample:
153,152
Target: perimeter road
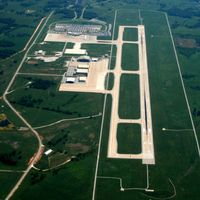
184,90
25,122
103,118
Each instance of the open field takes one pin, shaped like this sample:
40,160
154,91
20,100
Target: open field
8,180
96,50
17,148
113,58
129,99
110,78
78,173
43,101
130,34
129,138
49,47
130,57
125,18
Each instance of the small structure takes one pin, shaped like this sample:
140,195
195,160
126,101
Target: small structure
94,59
82,71
83,66
48,152
40,53
76,51
82,79
84,59
70,80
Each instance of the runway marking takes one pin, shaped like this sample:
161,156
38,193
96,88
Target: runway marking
145,121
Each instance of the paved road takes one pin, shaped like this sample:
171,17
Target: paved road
38,74
37,155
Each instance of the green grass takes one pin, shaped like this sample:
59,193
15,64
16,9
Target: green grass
68,140
129,99
129,138
70,45
110,81
56,67
7,72
128,170
130,59
126,17
130,34
97,50
53,105
175,153
78,173
19,147
8,180
49,47
113,57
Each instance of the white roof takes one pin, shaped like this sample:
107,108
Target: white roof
82,78
70,79
85,65
95,59
48,152
85,71
75,51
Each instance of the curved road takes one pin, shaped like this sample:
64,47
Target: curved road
18,114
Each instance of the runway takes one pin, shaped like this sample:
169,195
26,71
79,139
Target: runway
145,120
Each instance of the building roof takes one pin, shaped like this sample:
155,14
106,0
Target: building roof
83,65
82,78
82,71
48,152
70,79
76,51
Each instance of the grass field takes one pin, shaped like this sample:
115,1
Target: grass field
129,138
16,149
43,101
97,50
113,57
129,99
176,154
130,34
39,66
78,173
8,180
126,17
110,81
49,47
128,170
130,57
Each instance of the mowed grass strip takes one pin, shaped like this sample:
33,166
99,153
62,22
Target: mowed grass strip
109,82
130,34
129,138
126,17
129,99
130,59
97,50
113,57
